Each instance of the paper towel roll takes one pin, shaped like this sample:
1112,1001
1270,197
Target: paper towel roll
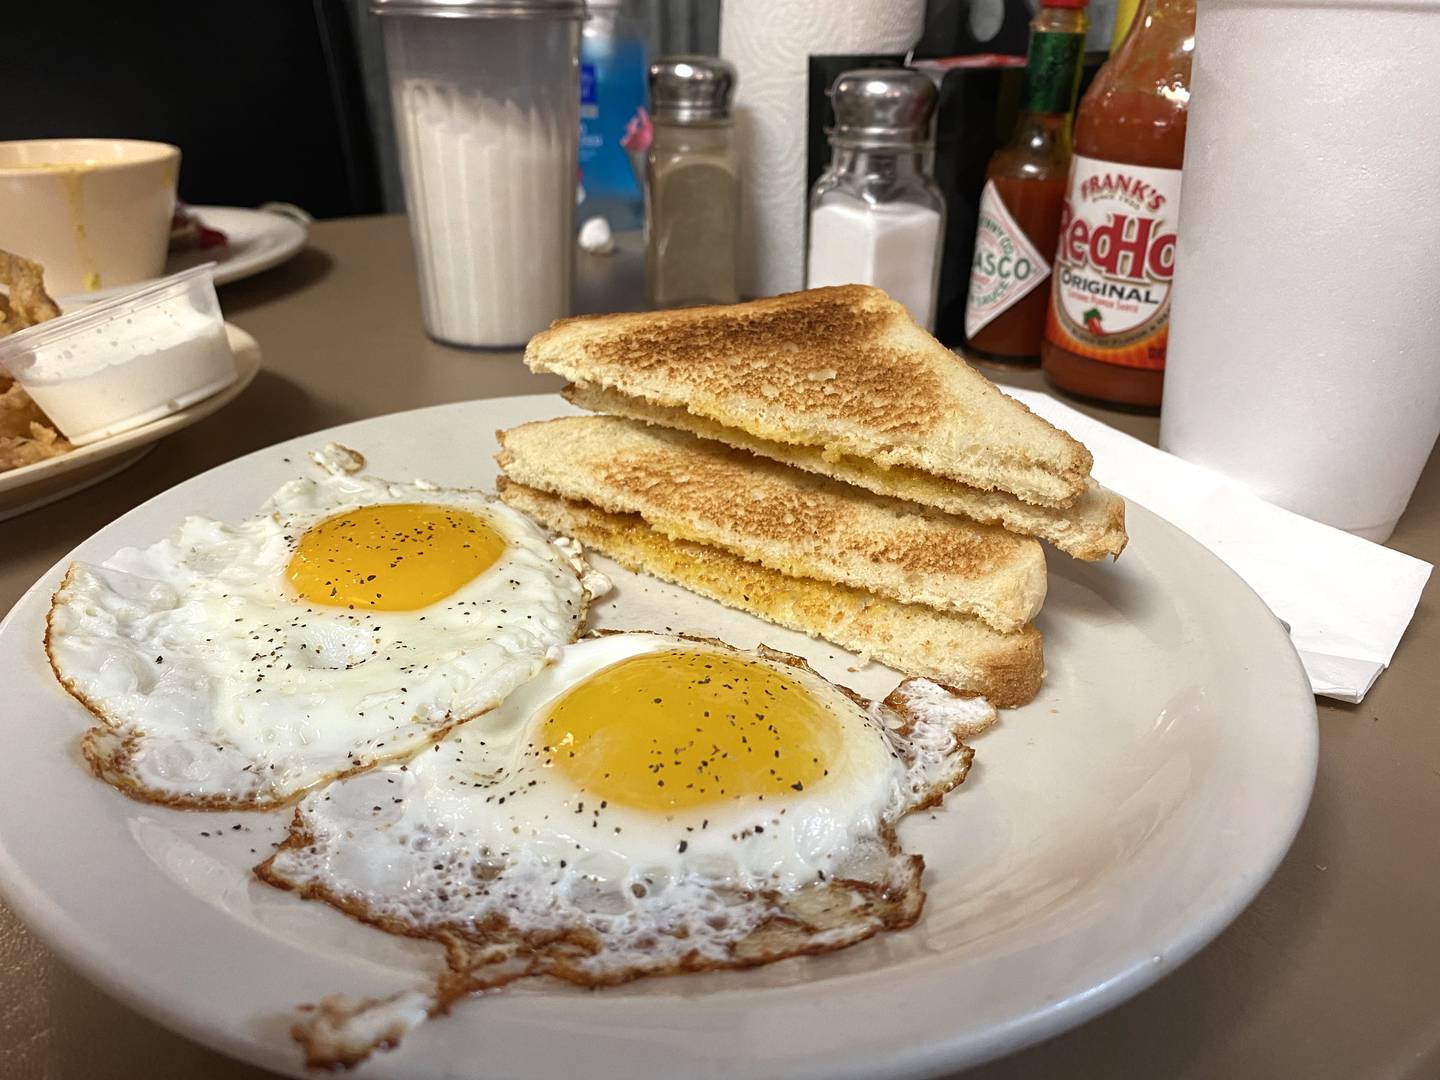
770,42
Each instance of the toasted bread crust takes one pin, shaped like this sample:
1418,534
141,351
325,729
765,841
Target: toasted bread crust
1093,528
842,368
785,519
957,650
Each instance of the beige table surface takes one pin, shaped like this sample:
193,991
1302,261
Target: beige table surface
1334,971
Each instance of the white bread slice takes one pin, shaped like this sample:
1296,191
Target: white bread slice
956,650
1092,528
844,369
790,521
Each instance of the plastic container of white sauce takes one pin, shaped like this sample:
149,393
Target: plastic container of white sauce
125,361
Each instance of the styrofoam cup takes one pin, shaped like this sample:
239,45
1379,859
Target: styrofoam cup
1304,355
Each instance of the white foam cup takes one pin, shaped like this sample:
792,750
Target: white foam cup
1304,355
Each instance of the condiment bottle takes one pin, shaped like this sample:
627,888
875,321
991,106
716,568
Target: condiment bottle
1109,316
876,216
1019,218
612,88
692,191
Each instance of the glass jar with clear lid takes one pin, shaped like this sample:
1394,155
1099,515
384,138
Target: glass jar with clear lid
876,215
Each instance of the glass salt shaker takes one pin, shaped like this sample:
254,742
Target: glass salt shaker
876,215
692,187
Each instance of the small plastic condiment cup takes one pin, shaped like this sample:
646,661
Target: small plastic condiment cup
126,361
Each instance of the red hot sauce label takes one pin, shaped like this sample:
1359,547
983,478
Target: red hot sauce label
1110,291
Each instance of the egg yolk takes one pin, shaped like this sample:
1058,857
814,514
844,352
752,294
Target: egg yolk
395,557
683,728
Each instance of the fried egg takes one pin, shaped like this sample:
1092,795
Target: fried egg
351,621
648,804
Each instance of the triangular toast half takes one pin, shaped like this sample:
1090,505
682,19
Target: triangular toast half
844,369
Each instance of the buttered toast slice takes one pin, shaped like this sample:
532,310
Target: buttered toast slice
1092,528
842,369
787,520
957,650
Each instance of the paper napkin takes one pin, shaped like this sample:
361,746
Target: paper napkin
1347,601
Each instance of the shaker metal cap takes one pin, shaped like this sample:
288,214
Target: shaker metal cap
483,9
882,107
691,89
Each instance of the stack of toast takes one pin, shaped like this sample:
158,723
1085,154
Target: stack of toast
820,461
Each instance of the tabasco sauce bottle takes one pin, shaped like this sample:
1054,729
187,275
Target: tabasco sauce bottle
1109,316
1024,190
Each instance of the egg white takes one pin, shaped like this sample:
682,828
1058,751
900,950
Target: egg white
219,686
475,830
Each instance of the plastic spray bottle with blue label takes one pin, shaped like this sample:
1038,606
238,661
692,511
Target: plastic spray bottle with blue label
612,88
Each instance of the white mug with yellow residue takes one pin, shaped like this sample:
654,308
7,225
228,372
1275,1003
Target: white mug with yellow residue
94,213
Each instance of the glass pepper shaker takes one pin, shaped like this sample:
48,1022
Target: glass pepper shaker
876,216
692,185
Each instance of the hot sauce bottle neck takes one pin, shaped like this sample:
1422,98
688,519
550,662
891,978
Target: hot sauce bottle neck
1057,50
1160,27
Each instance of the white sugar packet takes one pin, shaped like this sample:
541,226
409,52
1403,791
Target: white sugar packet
1347,601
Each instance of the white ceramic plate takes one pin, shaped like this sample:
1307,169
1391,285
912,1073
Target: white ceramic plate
1108,831
258,240
32,486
